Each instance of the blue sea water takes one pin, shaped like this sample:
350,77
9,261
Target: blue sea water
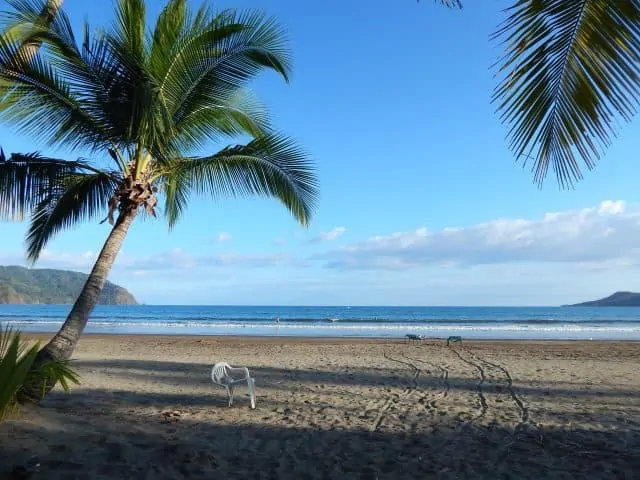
614,323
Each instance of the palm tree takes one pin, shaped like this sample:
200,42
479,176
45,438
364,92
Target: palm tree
144,100
570,71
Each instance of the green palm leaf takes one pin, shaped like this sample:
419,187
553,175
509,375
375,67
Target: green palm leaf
78,197
149,98
208,64
127,33
235,113
571,69
271,166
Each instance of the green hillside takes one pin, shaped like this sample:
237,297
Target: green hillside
20,285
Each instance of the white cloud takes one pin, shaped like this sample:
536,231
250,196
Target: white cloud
79,261
608,232
223,237
250,260
330,235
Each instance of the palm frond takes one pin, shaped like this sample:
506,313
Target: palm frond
100,73
25,14
128,30
216,56
29,12
101,94
176,188
271,166
238,113
132,104
26,179
39,102
571,69
78,197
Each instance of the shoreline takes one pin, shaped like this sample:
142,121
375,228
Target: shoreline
287,339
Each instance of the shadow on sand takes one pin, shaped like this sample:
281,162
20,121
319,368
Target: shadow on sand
121,442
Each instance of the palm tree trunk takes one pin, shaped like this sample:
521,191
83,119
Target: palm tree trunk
62,345
48,13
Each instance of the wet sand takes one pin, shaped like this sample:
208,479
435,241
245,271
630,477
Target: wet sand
337,408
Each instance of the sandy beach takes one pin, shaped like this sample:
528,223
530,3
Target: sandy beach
337,408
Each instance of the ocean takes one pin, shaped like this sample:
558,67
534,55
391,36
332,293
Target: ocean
571,323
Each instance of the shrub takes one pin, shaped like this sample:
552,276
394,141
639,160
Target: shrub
16,371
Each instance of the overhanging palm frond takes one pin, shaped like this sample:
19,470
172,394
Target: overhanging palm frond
25,179
79,196
272,166
570,70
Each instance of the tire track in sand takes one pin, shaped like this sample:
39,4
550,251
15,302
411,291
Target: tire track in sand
522,408
521,431
393,399
482,399
443,378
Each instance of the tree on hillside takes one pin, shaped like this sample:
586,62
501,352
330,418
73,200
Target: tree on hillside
147,100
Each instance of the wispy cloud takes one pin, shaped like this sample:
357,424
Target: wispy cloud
223,237
179,259
330,235
174,260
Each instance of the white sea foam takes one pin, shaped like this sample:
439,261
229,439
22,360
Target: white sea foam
482,330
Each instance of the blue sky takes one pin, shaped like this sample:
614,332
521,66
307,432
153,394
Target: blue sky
421,201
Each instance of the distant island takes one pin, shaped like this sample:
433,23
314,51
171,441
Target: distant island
618,299
19,285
